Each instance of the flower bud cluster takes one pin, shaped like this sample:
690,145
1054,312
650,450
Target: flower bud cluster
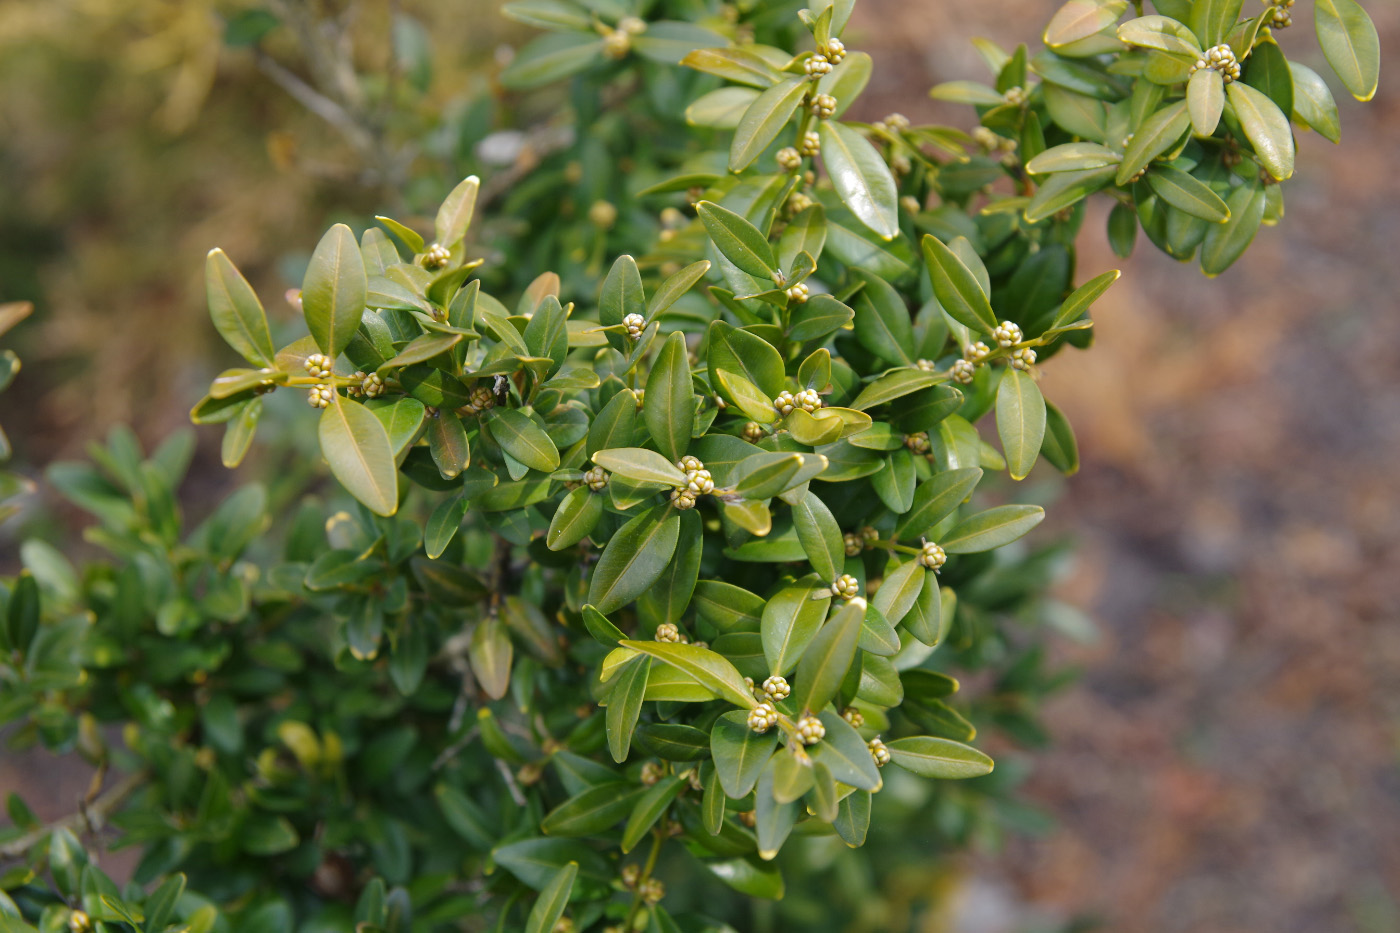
789,159
824,106
319,366
436,256
1219,58
1007,334
777,687
798,293
932,556
634,323
763,717
596,479
810,730
845,586
817,66
1023,359
481,399
321,396
811,144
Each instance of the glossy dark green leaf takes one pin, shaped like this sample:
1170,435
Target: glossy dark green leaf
1227,242
1212,20
454,216
549,907
992,528
671,290
773,821
575,518
1158,134
882,322
669,405
1266,126
708,669
956,288
236,311
931,757
447,442
739,752
820,535
844,752
727,607
1351,44
1313,104
356,446
640,465
523,439
935,500
1080,19
860,176
1205,100
853,818
762,123
1020,421
635,557
828,657
739,241
333,294
1059,446
1066,189
648,809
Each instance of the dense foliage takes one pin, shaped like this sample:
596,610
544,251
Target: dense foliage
656,587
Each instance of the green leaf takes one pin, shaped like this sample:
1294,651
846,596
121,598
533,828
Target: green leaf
1059,446
708,669
765,475
722,108
745,354
622,294
935,500
1073,157
1351,44
1313,103
1080,19
727,607
550,57
640,465
671,290
603,631
491,655
593,810
773,821
335,290
238,315
1085,295
992,528
535,861
791,619
575,519
893,385
1212,20
160,906
927,756
820,535
827,659
1205,100
1162,33
669,405
1266,126
846,754
739,241
1158,133
1065,189
739,65
1187,193
1267,71
421,349
972,93
238,436
455,214
956,288
899,592
524,440
549,907
1020,421
447,443
853,818
763,121
739,753
635,557
648,809
882,322
1224,243
628,688
861,178
356,446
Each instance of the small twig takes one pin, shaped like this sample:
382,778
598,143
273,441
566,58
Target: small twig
90,817
515,793
455,749
658,836
318,103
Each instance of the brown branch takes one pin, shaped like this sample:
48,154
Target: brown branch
90,818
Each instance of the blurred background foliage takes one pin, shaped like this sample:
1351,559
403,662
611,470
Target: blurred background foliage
1238,507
